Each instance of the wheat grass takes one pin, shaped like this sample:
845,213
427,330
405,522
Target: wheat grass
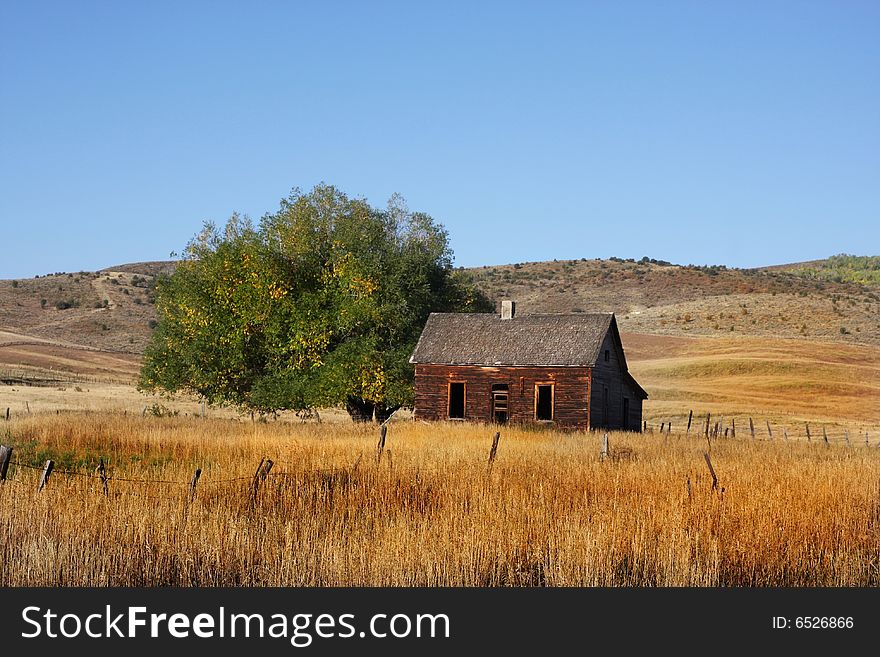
550,511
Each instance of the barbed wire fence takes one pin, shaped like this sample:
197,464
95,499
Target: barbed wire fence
9,468
699,429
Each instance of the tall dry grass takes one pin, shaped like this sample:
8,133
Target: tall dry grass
549,512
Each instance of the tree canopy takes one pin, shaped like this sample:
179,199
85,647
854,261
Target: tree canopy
319,305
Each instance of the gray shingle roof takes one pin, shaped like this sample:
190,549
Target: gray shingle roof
538,340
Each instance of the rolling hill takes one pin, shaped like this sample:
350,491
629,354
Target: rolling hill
792,342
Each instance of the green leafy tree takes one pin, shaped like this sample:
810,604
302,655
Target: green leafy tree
319,305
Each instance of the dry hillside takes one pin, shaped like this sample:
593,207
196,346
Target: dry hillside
663,299
110,310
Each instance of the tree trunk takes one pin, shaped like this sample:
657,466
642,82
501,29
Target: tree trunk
384,412
359,409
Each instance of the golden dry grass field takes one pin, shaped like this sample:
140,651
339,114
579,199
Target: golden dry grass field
789,382
550,512
736,345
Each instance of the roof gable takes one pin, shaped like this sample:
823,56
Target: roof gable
572,340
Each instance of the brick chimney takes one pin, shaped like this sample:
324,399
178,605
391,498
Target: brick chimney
508,309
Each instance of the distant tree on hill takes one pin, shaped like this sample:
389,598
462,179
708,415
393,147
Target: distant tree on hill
319,305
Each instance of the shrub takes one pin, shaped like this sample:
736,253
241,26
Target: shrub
14,283
158,410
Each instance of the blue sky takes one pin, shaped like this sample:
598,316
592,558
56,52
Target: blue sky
739,133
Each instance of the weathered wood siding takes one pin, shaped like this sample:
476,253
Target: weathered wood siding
610,375
571,398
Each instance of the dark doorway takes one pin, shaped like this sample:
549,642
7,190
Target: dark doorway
625,413
544,402
456,401
500,399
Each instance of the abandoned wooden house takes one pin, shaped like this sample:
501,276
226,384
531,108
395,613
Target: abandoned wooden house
564,369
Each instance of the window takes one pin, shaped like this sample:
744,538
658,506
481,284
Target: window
544,401
607,355
457,397
500,398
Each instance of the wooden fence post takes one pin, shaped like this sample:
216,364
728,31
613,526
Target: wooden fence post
260,476
785,433
192,484
6,455
669,428
733,428
28,407
711,470
7,414
846,436
769,430
47,472
662,426
494,451
690,417
603,454
102,473
752,428
380,446
824,434
808,432
866,437
708,415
